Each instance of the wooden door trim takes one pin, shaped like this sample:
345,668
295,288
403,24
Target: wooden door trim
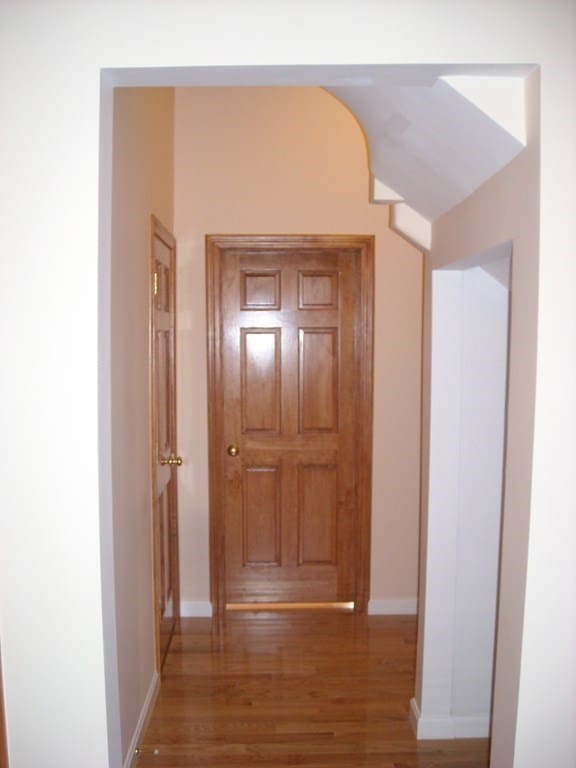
365,420
364,245
158,230
215,425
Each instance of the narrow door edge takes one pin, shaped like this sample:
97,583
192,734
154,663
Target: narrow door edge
365,418
217,533
158,230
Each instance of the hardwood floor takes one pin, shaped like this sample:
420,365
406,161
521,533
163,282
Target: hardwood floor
316,690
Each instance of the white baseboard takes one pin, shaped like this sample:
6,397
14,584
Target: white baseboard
195,608
414,716
394,606
147,707
449,726
477,727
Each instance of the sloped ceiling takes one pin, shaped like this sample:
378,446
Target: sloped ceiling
428,142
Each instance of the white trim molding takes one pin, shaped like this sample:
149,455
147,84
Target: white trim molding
383,194
471,727
147,707
448,726
190,609
393,606
411,225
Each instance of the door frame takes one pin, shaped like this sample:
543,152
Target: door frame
363,245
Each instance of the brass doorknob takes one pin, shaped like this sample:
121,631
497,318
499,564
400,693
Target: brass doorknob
232,450
171,461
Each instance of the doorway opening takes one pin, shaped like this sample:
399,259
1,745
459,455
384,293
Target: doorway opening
112,617
469,372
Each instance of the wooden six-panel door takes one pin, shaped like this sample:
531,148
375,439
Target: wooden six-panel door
290,394
163,433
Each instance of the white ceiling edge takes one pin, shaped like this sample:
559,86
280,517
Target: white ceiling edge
318,75
411,225
501,98
382,194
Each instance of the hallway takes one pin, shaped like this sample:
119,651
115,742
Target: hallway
327,690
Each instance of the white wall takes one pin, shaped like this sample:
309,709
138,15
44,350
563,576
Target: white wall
142,183
293,160
506,209
483,406
467,429
57,522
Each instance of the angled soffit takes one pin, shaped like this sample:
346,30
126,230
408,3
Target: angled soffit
434,137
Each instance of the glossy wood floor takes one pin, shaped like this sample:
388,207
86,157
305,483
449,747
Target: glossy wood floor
318,690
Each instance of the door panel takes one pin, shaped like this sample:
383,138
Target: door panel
290,392
261,378
317,509
318,386
261,514
163,418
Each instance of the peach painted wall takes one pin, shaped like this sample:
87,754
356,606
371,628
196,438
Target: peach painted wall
293,160
142,183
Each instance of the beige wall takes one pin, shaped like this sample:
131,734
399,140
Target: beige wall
293,160
142,183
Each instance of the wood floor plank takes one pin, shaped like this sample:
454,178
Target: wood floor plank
327,690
